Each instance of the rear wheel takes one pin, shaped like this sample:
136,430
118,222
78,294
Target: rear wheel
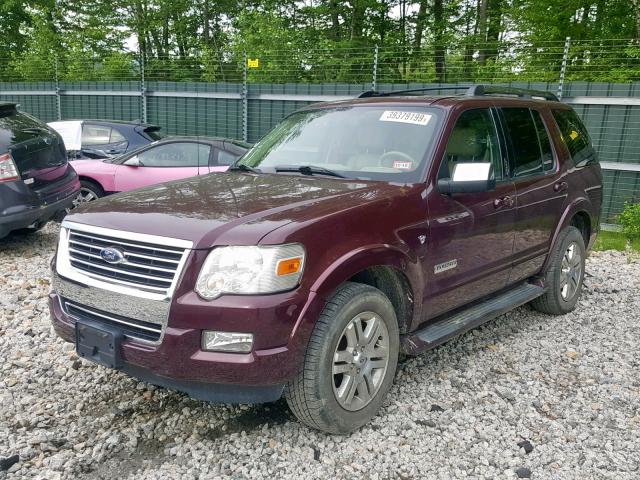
89,191
350,361
565,274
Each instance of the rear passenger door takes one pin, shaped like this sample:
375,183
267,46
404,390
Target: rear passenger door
540,186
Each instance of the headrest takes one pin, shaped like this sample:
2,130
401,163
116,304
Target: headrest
465,143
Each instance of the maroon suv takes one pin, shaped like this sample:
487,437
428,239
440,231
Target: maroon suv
351,232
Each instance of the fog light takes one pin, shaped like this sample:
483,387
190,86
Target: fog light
226,341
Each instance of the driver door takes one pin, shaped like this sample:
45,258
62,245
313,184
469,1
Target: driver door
163,163
471,234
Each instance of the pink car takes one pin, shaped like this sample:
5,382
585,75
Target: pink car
161,161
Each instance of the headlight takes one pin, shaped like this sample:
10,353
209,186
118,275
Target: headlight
249,270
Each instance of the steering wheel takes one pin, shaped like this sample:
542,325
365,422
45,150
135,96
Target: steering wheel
393,155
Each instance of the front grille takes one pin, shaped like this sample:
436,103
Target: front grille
145,266
131,328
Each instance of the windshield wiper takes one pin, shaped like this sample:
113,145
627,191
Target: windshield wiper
241,167
310,170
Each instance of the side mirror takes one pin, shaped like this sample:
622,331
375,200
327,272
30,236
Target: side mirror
468,178
133,162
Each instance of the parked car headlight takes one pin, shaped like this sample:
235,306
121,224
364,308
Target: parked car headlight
247,270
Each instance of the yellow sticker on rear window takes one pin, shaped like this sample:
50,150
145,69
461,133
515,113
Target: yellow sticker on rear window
415,118
574,135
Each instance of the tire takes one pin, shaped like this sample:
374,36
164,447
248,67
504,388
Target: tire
313,395
89,191
558,299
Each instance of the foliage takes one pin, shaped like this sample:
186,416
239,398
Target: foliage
319,40
608,240
630,220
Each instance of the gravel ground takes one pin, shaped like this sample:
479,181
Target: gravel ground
525,395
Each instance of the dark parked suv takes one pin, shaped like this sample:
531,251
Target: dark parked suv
36,182
351,232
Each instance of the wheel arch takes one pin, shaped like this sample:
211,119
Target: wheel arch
384,267
91,180
577,214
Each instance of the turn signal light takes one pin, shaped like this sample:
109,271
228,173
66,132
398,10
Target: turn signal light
288,266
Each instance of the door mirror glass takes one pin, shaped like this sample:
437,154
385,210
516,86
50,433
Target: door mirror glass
133,162
471,172
469,178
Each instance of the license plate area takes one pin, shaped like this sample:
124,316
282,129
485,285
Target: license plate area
99,344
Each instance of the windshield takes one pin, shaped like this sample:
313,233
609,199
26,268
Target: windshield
365,142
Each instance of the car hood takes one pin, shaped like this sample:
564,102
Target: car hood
225,208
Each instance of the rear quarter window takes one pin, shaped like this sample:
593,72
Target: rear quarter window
154,133
576,138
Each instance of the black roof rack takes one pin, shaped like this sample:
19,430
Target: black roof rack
471,91
373,93
478,90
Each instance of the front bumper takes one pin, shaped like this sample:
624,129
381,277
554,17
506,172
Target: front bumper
22,213
178,362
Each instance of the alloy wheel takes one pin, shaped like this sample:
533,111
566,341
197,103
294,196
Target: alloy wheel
85,195
570,271
360,361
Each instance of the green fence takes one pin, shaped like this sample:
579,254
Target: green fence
247,110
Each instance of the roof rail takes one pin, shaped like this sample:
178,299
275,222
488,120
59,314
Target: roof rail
478,90
471,91
373,93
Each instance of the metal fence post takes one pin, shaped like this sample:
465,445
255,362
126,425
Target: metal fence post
57,89
374,77
245,99
143,90
563,69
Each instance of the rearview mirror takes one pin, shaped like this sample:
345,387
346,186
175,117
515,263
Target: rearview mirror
468,178
133,162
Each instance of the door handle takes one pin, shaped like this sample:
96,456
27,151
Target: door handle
560,186
505,201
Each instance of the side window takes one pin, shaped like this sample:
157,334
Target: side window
116,136
474,138
548,160
575,136
226,158
179,154
95,134
527,156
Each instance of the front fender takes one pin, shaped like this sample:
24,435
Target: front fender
342,269
362,258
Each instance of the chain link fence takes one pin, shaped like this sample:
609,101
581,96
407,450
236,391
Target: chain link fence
242,95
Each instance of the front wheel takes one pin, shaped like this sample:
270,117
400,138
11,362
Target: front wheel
565,274
350,361
89,191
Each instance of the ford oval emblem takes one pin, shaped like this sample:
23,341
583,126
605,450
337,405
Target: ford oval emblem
112,255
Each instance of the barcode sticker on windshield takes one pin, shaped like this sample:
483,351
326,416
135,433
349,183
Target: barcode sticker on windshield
416,118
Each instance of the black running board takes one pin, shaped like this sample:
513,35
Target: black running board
442,330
